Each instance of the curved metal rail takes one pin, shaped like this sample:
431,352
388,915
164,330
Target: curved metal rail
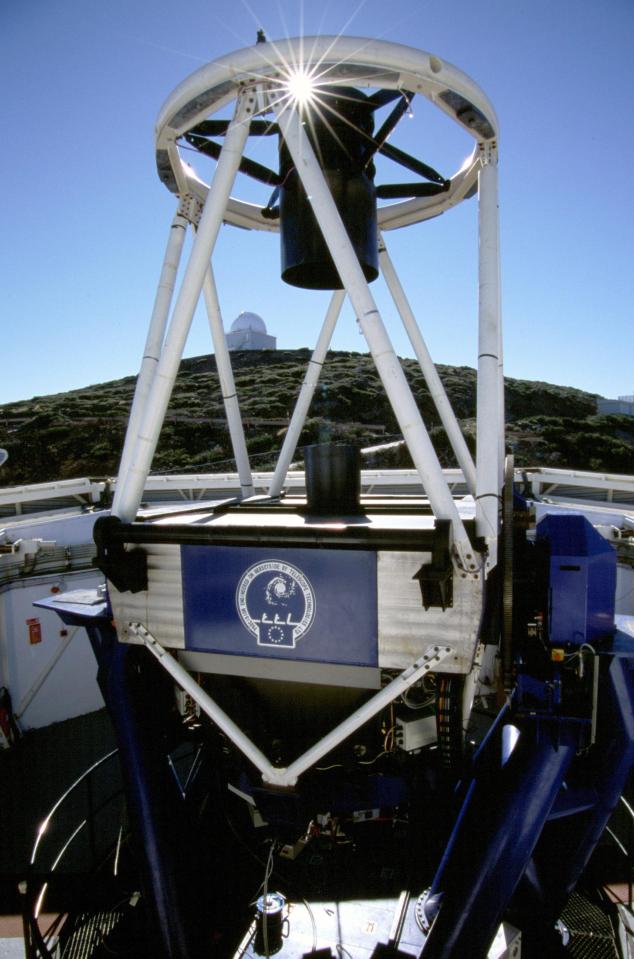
41,944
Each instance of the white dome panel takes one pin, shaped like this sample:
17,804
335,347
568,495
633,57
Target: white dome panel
248,321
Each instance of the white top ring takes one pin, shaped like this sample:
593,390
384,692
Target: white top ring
339,60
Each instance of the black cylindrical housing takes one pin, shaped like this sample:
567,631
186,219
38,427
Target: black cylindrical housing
339,122
333,479
269,924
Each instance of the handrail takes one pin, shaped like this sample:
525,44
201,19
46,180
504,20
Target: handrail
627,850
628,807
46,821
35,941
630,853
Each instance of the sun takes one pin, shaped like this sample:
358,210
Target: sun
301,86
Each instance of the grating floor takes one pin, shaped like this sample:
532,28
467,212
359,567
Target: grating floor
89,933
591,933
33,778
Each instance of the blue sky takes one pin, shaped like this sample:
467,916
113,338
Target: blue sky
85,218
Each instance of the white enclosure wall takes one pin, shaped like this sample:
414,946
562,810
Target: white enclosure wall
70,689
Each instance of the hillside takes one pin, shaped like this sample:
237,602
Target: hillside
80,433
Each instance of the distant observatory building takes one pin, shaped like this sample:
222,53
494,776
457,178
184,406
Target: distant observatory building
624,406
248,332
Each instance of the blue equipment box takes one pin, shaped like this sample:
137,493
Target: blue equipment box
315,605
581,580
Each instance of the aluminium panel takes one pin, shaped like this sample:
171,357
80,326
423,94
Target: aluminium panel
160,607
406,628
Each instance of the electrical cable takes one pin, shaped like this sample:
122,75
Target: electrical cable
370,762
313,923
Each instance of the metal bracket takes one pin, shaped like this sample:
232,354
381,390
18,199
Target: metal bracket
436,578
190,209
489,153
126,569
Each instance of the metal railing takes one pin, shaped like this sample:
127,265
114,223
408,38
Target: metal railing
627,848
90,840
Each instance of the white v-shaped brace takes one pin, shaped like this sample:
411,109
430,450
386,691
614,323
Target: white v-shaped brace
276,776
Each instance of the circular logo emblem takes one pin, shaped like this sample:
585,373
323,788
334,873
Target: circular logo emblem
276,603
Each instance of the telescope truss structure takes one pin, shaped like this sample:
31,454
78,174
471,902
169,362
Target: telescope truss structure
265,86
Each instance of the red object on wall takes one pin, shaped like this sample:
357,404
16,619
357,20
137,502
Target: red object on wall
35,631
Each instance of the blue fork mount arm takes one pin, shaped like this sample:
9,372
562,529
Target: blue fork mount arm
503,840
134,687
131,696
499,825
565,847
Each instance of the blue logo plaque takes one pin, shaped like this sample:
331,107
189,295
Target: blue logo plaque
316,605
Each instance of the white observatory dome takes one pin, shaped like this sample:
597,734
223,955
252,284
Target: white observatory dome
248,321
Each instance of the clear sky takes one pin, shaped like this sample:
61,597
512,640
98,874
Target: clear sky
85,218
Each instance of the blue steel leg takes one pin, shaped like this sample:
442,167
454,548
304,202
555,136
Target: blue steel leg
502,818
615,756
567,844
137,700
